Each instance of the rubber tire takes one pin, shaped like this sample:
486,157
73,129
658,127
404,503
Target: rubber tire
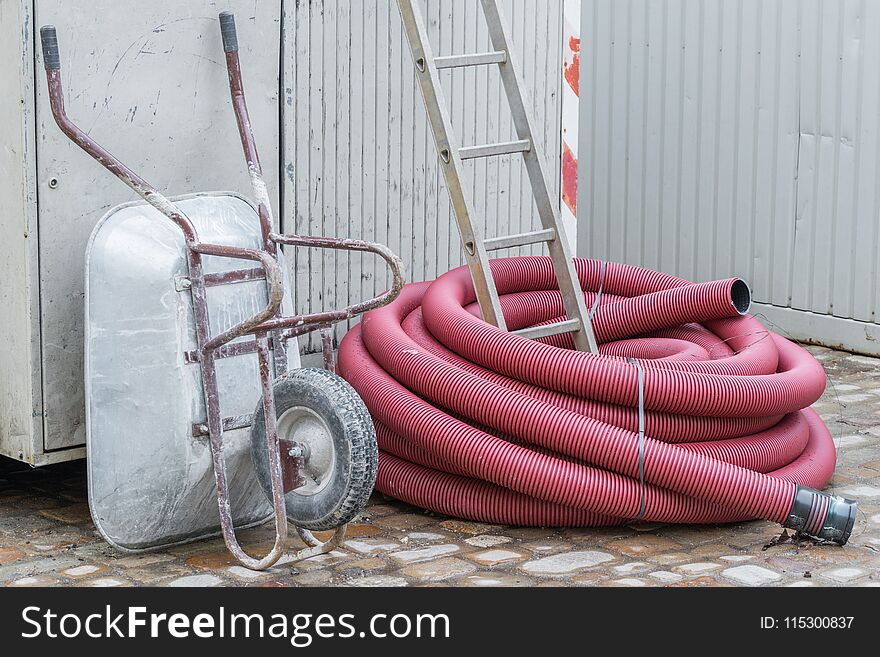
354,441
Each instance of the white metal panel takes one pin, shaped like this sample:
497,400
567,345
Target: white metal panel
358,157
147,80
20,395
738,137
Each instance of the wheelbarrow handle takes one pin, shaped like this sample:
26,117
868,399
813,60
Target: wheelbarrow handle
245,131
227,31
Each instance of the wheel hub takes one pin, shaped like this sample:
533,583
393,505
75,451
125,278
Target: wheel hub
312,442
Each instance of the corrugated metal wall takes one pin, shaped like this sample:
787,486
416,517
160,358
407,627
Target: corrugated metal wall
359,159
737,137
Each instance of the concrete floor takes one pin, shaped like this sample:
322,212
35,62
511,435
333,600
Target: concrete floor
47,536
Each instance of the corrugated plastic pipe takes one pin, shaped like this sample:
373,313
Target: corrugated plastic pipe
486,425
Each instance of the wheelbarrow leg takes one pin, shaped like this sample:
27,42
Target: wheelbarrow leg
215,428
316,547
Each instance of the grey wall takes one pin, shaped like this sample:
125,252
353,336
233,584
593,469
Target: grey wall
739,137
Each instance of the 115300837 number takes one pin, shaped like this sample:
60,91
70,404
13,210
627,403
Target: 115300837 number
818,622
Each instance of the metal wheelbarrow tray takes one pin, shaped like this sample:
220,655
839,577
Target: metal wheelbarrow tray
187,330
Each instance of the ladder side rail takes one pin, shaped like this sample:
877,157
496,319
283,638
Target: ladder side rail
450,161
572,295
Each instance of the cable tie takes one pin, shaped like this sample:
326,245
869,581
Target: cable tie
641,380
595,305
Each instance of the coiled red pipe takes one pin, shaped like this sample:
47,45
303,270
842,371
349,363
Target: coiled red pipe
483,424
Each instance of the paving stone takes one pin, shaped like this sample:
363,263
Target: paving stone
438,570
378,581
370,563
631,567
862,360
211,560
493,580
644,545
704,581
37,580
425,536
405,521
545,547
465,527
424,554
246,573
790,565
326,559
495,557
850,441
568,562
844,575
105,582
361,530
82,571
698,568
665,576
860,491
751,575
629,581
196,580
851,399
371,545
670,558
488,540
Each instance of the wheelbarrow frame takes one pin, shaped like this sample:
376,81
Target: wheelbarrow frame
270,327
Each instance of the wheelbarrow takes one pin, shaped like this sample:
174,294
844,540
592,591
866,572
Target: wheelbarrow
182,341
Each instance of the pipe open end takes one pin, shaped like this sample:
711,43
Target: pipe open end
741,296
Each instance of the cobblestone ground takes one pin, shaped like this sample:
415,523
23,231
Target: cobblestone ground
47,536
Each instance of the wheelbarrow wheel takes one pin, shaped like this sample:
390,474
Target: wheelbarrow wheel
327,422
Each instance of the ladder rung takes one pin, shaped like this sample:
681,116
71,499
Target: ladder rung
475,59
489,150
535,332
520,239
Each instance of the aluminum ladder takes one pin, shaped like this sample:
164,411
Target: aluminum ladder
476,249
